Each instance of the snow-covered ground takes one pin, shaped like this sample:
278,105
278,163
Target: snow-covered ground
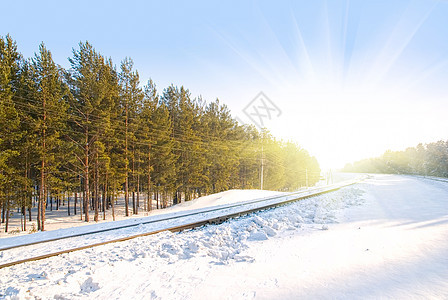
202,204
202,209
385,238
59,219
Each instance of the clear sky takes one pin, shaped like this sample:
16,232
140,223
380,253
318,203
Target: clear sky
351,78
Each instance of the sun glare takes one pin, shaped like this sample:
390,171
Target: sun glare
341,124
349,101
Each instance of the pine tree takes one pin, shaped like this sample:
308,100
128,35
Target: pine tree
191,162
29,142
10,176
163,156
131,96
222,154
249,160
272,160
92,83
48,95
147,136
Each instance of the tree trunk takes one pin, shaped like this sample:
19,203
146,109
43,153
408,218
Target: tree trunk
149,199
104,197
133,202
113,202
7,213
44,207
133,181
82,203
24,217
106,189
96,188
92,197
40,203
76,202
86,177
126,192
41,211
138,194
4,210
27,193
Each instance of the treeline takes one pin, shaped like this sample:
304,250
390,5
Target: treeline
92,132
428,160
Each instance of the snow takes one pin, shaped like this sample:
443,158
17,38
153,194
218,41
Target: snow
177,216
201,204
223,198
59,219
384,238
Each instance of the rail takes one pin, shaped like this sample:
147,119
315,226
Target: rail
214,215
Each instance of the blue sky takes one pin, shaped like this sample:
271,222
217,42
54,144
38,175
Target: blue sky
352,78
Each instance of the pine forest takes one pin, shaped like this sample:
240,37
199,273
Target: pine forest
85,136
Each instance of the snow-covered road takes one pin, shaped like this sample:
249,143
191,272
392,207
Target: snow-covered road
386,238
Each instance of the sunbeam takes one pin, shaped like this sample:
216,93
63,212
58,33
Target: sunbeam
302,49
400,38
343,90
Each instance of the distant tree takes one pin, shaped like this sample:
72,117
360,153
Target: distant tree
430,159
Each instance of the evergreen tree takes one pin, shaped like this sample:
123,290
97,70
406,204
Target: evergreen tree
249,160
92,83
131,96
10,177
273,163
163,154
48,95
222,154
190,151
28,110
147,137
430,159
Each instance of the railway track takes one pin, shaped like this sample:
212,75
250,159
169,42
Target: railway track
175,222
113,226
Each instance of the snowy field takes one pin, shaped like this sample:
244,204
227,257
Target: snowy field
384,238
